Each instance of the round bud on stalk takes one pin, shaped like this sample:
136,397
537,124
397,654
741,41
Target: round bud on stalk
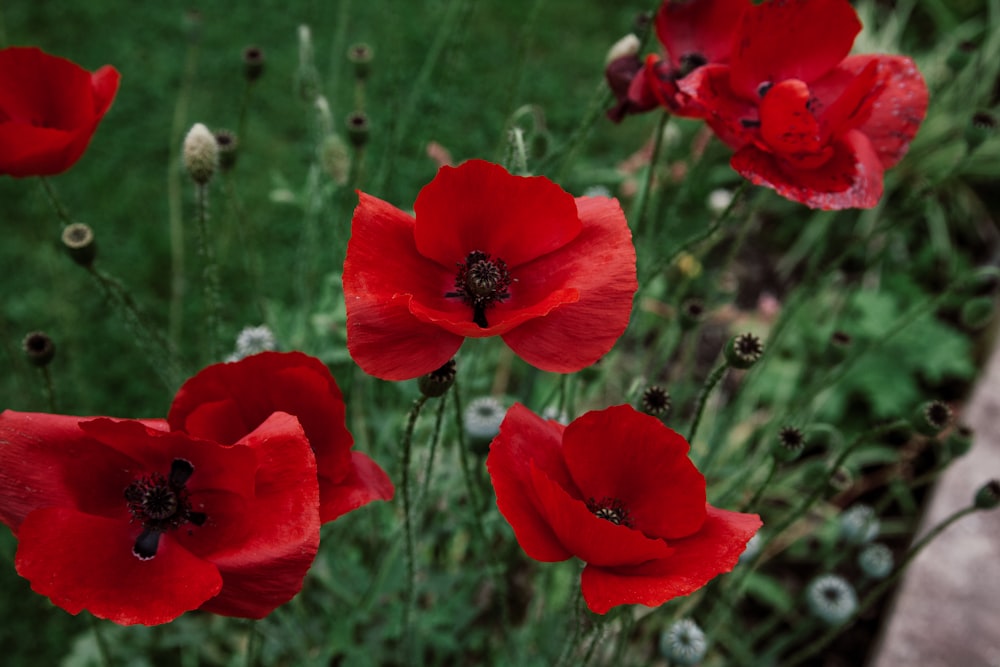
692,313
789,444
357,128
683,643
200,154
229,147
959,442
436,383
988,495
743,351
656,401
980,127
360,56
626,47
977,313
78,239
876,560
831,598
932,417
38,348
253,63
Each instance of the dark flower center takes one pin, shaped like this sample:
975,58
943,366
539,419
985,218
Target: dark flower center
481,282
610,509
691,62
161,503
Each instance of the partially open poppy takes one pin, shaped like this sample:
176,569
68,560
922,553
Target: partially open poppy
225,402
487,254
616,489
815,125
138,524
49,110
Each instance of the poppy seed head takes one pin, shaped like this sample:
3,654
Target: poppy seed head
744,350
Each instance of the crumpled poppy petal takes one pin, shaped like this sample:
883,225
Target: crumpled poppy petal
702,28
792,39
695,561
851,178
81,561
602,268
381,257
480,206
786,122
527,440
622,454
733,119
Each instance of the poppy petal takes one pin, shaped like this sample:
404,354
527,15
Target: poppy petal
703,29
851,178
480,206
793,39
383,337
600,264
632,458
81,561
731,117
695,561
365,483
526,440
501,318
786,121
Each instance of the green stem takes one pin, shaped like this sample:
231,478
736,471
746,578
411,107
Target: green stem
706,389
210,275
599,101
50,393
57,204
435,439
642,205
253,639
410,550
760,490
103,651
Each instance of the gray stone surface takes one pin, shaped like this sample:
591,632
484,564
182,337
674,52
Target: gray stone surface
947,611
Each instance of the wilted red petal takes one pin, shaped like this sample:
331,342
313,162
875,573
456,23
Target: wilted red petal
851,178
699,27
478,205
81,561
696,560
600,264
588,537
365,483
267,569
792,39
527,440
382,270
732,118
633,458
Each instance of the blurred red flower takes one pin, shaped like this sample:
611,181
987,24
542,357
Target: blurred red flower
139,525
616,489
815,125
49,110
693,34
487,254
224,402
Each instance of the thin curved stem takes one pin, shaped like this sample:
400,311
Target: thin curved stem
410,549
706,389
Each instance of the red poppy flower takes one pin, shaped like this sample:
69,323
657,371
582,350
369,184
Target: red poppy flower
693,34
49,110
813,124
224,402
488,254
616,489
139,525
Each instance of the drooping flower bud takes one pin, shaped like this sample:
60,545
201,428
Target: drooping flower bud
988,495
38,348
959,442
436,383
743,351
626,47
78,239
200,154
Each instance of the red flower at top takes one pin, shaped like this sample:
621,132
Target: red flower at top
225,402
49,109
817,126
487,254
139,525
616,489
693,34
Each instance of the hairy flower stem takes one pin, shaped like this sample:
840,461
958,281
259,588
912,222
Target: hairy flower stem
409,550
645,194
877,592
48,388
706,389
103,651
435,439
598,102
210,276
253,641
57,204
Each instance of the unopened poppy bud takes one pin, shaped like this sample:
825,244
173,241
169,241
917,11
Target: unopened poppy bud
253,63
980,127
436,383
932,417
78,239
988,495
719,200
38,348
959,442
977,313
831,599
683,643
229,146
626,47
360,56
357,128
838,347
656,401
876,560
743,351
789,444
691,314
200,154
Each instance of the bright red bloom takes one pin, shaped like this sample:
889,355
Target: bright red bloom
488,254
617,490
49,110
813,124
139,525
693,33
224,402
